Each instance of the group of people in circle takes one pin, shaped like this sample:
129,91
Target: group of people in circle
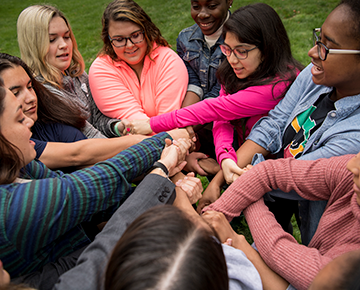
232,104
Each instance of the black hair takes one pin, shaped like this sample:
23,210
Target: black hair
354,11
260,25
163,249
51,109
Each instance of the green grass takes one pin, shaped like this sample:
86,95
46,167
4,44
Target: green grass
299,17
171,16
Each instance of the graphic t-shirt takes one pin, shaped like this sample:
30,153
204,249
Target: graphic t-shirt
299,131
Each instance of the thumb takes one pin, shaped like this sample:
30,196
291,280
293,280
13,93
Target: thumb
191,174
168,142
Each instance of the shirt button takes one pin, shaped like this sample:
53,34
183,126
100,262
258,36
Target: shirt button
161,198
166,189
333,115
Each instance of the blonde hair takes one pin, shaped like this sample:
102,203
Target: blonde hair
33,38
128,10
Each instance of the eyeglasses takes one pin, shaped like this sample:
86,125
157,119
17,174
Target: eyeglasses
135,38
239,52
323,51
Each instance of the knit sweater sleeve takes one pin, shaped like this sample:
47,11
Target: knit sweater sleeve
311,179
296,263
40,212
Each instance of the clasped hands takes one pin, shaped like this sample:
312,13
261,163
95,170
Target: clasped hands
232,171
136,127
173,157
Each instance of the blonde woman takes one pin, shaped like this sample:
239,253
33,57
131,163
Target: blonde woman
47,44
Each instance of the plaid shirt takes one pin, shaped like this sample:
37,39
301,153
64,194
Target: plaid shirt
40,219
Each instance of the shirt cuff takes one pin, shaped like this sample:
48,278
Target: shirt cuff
197,90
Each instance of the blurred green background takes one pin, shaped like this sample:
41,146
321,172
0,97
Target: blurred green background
171,16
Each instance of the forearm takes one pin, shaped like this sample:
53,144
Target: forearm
247,151
270,279
86,152
295,263
190,98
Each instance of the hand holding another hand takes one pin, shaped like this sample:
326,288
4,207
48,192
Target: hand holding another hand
231,170
192,186
141,127
173,155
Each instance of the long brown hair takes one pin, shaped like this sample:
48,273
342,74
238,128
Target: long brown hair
128,10
51,109
260,25
10,163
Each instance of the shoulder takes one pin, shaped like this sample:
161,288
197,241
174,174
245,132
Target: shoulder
165,56
102,62
190,33
57,132
189,30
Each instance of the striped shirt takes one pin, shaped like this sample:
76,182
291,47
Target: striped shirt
40,220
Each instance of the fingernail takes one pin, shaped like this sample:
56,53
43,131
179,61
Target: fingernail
207,155
128,129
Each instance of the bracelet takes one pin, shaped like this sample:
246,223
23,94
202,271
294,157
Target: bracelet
161,166
116,129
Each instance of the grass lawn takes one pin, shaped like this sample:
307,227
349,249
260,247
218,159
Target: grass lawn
299,17
171,16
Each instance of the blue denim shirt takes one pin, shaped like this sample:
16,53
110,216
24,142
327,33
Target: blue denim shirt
201,62
338,135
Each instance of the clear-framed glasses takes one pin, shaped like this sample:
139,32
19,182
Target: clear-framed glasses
323,51
120,41
239,51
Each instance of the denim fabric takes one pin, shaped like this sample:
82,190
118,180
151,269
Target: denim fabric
338,135
201,62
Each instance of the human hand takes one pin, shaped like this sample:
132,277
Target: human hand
136,127
192,186
209,165
230,170
174,154
220,224
192,164
210,195
191,132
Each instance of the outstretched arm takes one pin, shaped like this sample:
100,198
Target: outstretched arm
86,152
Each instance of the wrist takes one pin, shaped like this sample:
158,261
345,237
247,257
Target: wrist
116,129
161,166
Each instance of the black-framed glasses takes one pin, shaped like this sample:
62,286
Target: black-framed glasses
323,51
120,41
239,51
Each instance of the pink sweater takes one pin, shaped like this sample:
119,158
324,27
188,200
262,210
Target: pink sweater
119,94
338,231
253,102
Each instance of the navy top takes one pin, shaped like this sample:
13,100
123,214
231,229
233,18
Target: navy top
53,132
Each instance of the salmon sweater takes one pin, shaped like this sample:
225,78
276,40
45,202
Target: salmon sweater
338,231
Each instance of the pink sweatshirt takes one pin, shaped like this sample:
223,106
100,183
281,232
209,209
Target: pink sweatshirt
338,231
119,94
253,102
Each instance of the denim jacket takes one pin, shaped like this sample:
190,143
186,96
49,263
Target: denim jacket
338,135
201,62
